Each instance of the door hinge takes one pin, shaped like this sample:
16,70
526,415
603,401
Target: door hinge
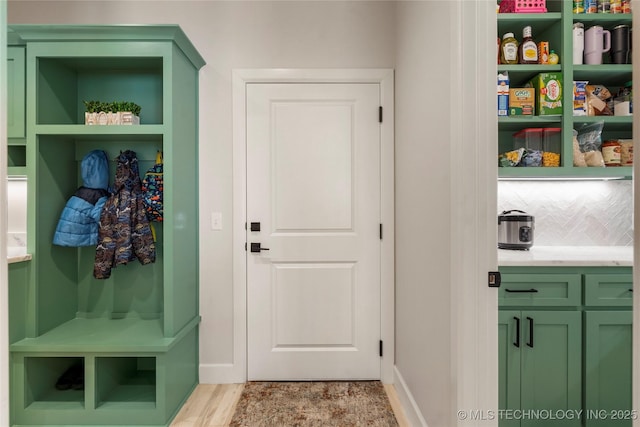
245,246
380,114
381,231
494,279
380,348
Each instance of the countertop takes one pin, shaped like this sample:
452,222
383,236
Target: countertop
567,256
17,254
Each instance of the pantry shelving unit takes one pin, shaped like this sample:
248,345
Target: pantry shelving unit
556,26
136,333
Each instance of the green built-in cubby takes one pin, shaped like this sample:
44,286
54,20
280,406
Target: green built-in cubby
134,333
64,83
42,374
128,382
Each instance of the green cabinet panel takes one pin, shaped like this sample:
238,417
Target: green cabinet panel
551,364
540,289
539,367
135,333
608,360
614,290
509,346
18,285
16,92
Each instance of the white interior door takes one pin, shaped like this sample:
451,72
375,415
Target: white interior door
313,185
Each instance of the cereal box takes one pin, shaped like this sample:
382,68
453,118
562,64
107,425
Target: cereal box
548,87
522,101
503,94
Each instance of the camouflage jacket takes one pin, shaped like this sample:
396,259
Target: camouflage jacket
124,233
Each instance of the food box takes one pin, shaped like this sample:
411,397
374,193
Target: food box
522,101
580,98
503,94
548,87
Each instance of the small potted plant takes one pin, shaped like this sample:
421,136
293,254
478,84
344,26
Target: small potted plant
92,109
128,112
111,113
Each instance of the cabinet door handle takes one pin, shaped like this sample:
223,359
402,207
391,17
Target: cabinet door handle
517,341
530,342
521,291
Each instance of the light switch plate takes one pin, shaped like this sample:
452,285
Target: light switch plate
216,221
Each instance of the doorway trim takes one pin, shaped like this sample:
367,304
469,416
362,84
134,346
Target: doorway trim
237,371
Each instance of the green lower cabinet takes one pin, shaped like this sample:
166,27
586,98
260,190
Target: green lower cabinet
18,299
540,368
608,359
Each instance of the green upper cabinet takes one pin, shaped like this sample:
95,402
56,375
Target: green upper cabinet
555,26
15,92
16,109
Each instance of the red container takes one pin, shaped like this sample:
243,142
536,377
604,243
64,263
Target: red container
523,6
529,138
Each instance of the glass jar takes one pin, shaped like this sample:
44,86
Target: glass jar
611,152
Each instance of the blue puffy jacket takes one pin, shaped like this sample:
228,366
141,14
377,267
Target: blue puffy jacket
78,224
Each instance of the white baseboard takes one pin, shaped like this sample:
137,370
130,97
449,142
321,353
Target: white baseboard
221,373
411,410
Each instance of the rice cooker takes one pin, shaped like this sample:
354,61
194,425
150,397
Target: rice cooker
515,230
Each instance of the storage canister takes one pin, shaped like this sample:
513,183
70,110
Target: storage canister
611,152
551,143
626,152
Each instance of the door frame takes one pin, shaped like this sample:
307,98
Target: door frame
4,281
241,78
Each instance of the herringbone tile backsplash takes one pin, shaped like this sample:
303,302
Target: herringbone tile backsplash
568,213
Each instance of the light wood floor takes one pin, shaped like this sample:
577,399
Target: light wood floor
212,405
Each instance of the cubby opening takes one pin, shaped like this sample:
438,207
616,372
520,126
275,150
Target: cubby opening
125,381
64,83
54,382
65,274
16,156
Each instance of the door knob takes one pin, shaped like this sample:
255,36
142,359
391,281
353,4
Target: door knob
255,247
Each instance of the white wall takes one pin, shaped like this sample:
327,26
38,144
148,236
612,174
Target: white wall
262,34
423,282
17,201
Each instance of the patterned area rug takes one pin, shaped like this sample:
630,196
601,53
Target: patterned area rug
344,404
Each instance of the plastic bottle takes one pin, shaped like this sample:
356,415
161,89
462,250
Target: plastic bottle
509,49
553,58
528,48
